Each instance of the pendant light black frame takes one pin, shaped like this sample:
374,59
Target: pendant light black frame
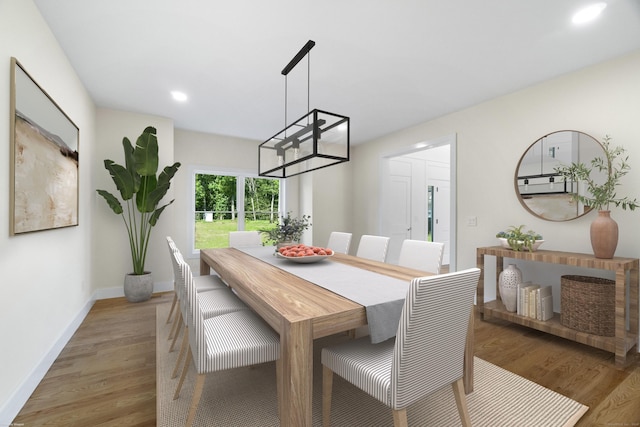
317,140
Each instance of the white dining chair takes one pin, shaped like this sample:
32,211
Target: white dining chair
212,303
202,283
426,354
339,242
421,255
224,342
373,247
243,239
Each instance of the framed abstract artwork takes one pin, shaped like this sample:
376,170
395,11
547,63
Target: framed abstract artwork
44,170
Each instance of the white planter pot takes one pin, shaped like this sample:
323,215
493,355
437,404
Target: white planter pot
505,244
138,288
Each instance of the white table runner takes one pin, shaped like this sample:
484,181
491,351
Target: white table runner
382,296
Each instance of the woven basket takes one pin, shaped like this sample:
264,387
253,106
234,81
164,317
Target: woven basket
588,304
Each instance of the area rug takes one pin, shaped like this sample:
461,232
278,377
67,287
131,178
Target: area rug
246,397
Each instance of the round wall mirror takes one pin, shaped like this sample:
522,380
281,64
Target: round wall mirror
540,189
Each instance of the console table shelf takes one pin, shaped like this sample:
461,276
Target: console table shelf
626,297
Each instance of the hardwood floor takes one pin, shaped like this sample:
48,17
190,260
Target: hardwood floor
106,373
580,372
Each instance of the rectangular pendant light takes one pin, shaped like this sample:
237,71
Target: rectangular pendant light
316,140
303,147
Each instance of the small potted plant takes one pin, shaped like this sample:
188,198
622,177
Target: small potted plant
288,231
600,195
519,240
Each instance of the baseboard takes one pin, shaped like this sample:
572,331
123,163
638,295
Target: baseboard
162,286
118,292
14,404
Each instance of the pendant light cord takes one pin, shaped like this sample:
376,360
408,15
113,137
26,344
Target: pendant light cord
301,54
285,105
308,85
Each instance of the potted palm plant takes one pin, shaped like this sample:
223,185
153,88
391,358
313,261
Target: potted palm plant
141,192
601,195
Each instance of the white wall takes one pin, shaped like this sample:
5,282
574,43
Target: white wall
110,245
491,137
46,276
201,151
330,207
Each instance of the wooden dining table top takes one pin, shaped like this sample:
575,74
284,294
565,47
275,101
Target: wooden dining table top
275,293
299,311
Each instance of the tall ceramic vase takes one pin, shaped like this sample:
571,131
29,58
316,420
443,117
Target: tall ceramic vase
604,235
508,282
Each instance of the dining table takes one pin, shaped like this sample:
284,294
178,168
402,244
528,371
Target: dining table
307,301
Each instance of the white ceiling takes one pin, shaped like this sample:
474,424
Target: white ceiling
386,64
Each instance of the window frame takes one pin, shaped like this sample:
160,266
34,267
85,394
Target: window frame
240,176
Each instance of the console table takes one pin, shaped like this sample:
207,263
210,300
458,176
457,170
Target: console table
627,300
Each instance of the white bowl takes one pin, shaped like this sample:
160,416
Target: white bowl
505,244
304,259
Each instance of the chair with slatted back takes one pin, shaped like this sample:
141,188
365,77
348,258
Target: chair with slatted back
339,242
373,247
243,239
421,255
224,342
426,354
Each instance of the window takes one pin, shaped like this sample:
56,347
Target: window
224,202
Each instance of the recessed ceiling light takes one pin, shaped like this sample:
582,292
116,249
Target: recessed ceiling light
179,96
588,13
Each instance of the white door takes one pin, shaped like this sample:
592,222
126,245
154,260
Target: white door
403,203
399,214
441,215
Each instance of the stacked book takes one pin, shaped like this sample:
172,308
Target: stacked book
535,301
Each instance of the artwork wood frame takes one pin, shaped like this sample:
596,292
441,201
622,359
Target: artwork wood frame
44,170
